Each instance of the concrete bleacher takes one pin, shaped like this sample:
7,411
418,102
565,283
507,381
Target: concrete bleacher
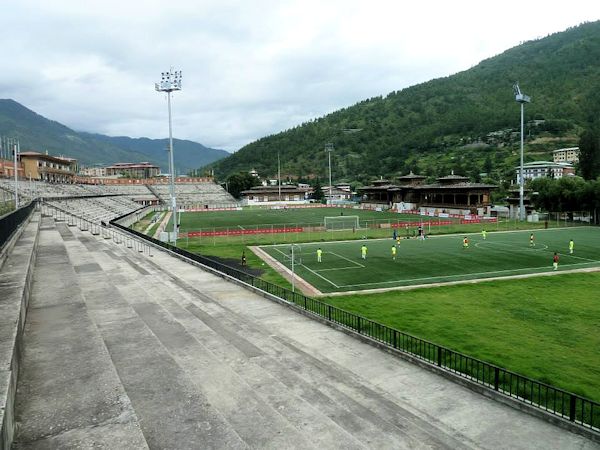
196,195
123,350
189,195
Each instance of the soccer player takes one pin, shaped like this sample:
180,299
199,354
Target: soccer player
394,252
571,246
555,261
394,234
484,234
466,242
398,239
319,254
363,252
531,242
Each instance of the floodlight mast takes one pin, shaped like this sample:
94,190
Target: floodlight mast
522,99
329,149
171,81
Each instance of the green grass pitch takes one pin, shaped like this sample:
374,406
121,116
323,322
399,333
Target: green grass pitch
439,259
254,217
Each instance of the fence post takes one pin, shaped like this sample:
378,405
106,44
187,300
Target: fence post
573,403
439,356
496,378
329,312
358,324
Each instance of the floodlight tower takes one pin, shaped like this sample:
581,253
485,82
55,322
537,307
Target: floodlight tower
329,149
171,81
522,99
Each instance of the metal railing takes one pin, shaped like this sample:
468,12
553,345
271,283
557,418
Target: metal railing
113,232
553,400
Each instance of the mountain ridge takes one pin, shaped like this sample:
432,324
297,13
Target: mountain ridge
38,133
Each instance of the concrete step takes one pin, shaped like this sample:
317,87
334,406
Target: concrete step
69,394
16,261
173,411
274,419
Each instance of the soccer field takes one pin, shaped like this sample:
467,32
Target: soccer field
438,259
248,218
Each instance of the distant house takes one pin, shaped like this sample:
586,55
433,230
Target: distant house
93,171
568,155
285,194
451,194
43,167
133,170
336,194
538,169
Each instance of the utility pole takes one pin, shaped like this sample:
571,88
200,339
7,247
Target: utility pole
171,81
329,149
522,99
16,153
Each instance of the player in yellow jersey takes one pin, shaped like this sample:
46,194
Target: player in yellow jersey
466,243
394,250
571,246
319,254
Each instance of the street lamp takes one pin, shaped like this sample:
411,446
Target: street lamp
171,81
522,99
329,149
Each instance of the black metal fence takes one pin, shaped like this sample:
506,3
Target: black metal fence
558,402
10,222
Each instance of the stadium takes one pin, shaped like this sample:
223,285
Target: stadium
434,303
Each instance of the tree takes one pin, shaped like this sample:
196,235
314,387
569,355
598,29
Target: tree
318,191
589,154
239,182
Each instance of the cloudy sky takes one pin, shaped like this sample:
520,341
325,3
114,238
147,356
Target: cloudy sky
250,68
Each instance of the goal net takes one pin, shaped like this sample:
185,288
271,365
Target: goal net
341,223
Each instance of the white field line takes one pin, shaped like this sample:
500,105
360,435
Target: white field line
336,268
321,277
241,227
310,270
476,274
482,245
347,259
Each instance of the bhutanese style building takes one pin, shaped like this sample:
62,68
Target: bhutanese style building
453,194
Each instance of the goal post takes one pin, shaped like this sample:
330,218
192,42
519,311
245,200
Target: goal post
293,254
342,223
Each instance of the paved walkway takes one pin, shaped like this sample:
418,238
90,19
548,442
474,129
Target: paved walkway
127,351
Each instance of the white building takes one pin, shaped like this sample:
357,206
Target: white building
569,155
337,194
538,169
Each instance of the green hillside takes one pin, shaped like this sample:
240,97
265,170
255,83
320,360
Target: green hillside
38,133
445,124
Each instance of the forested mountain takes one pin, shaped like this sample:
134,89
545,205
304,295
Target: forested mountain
189,155
467,122
37,133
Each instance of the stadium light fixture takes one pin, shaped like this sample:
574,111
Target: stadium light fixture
522,99
171,81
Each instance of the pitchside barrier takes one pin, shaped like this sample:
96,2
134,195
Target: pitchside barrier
572,410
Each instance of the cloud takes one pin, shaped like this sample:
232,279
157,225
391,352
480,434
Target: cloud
250,68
